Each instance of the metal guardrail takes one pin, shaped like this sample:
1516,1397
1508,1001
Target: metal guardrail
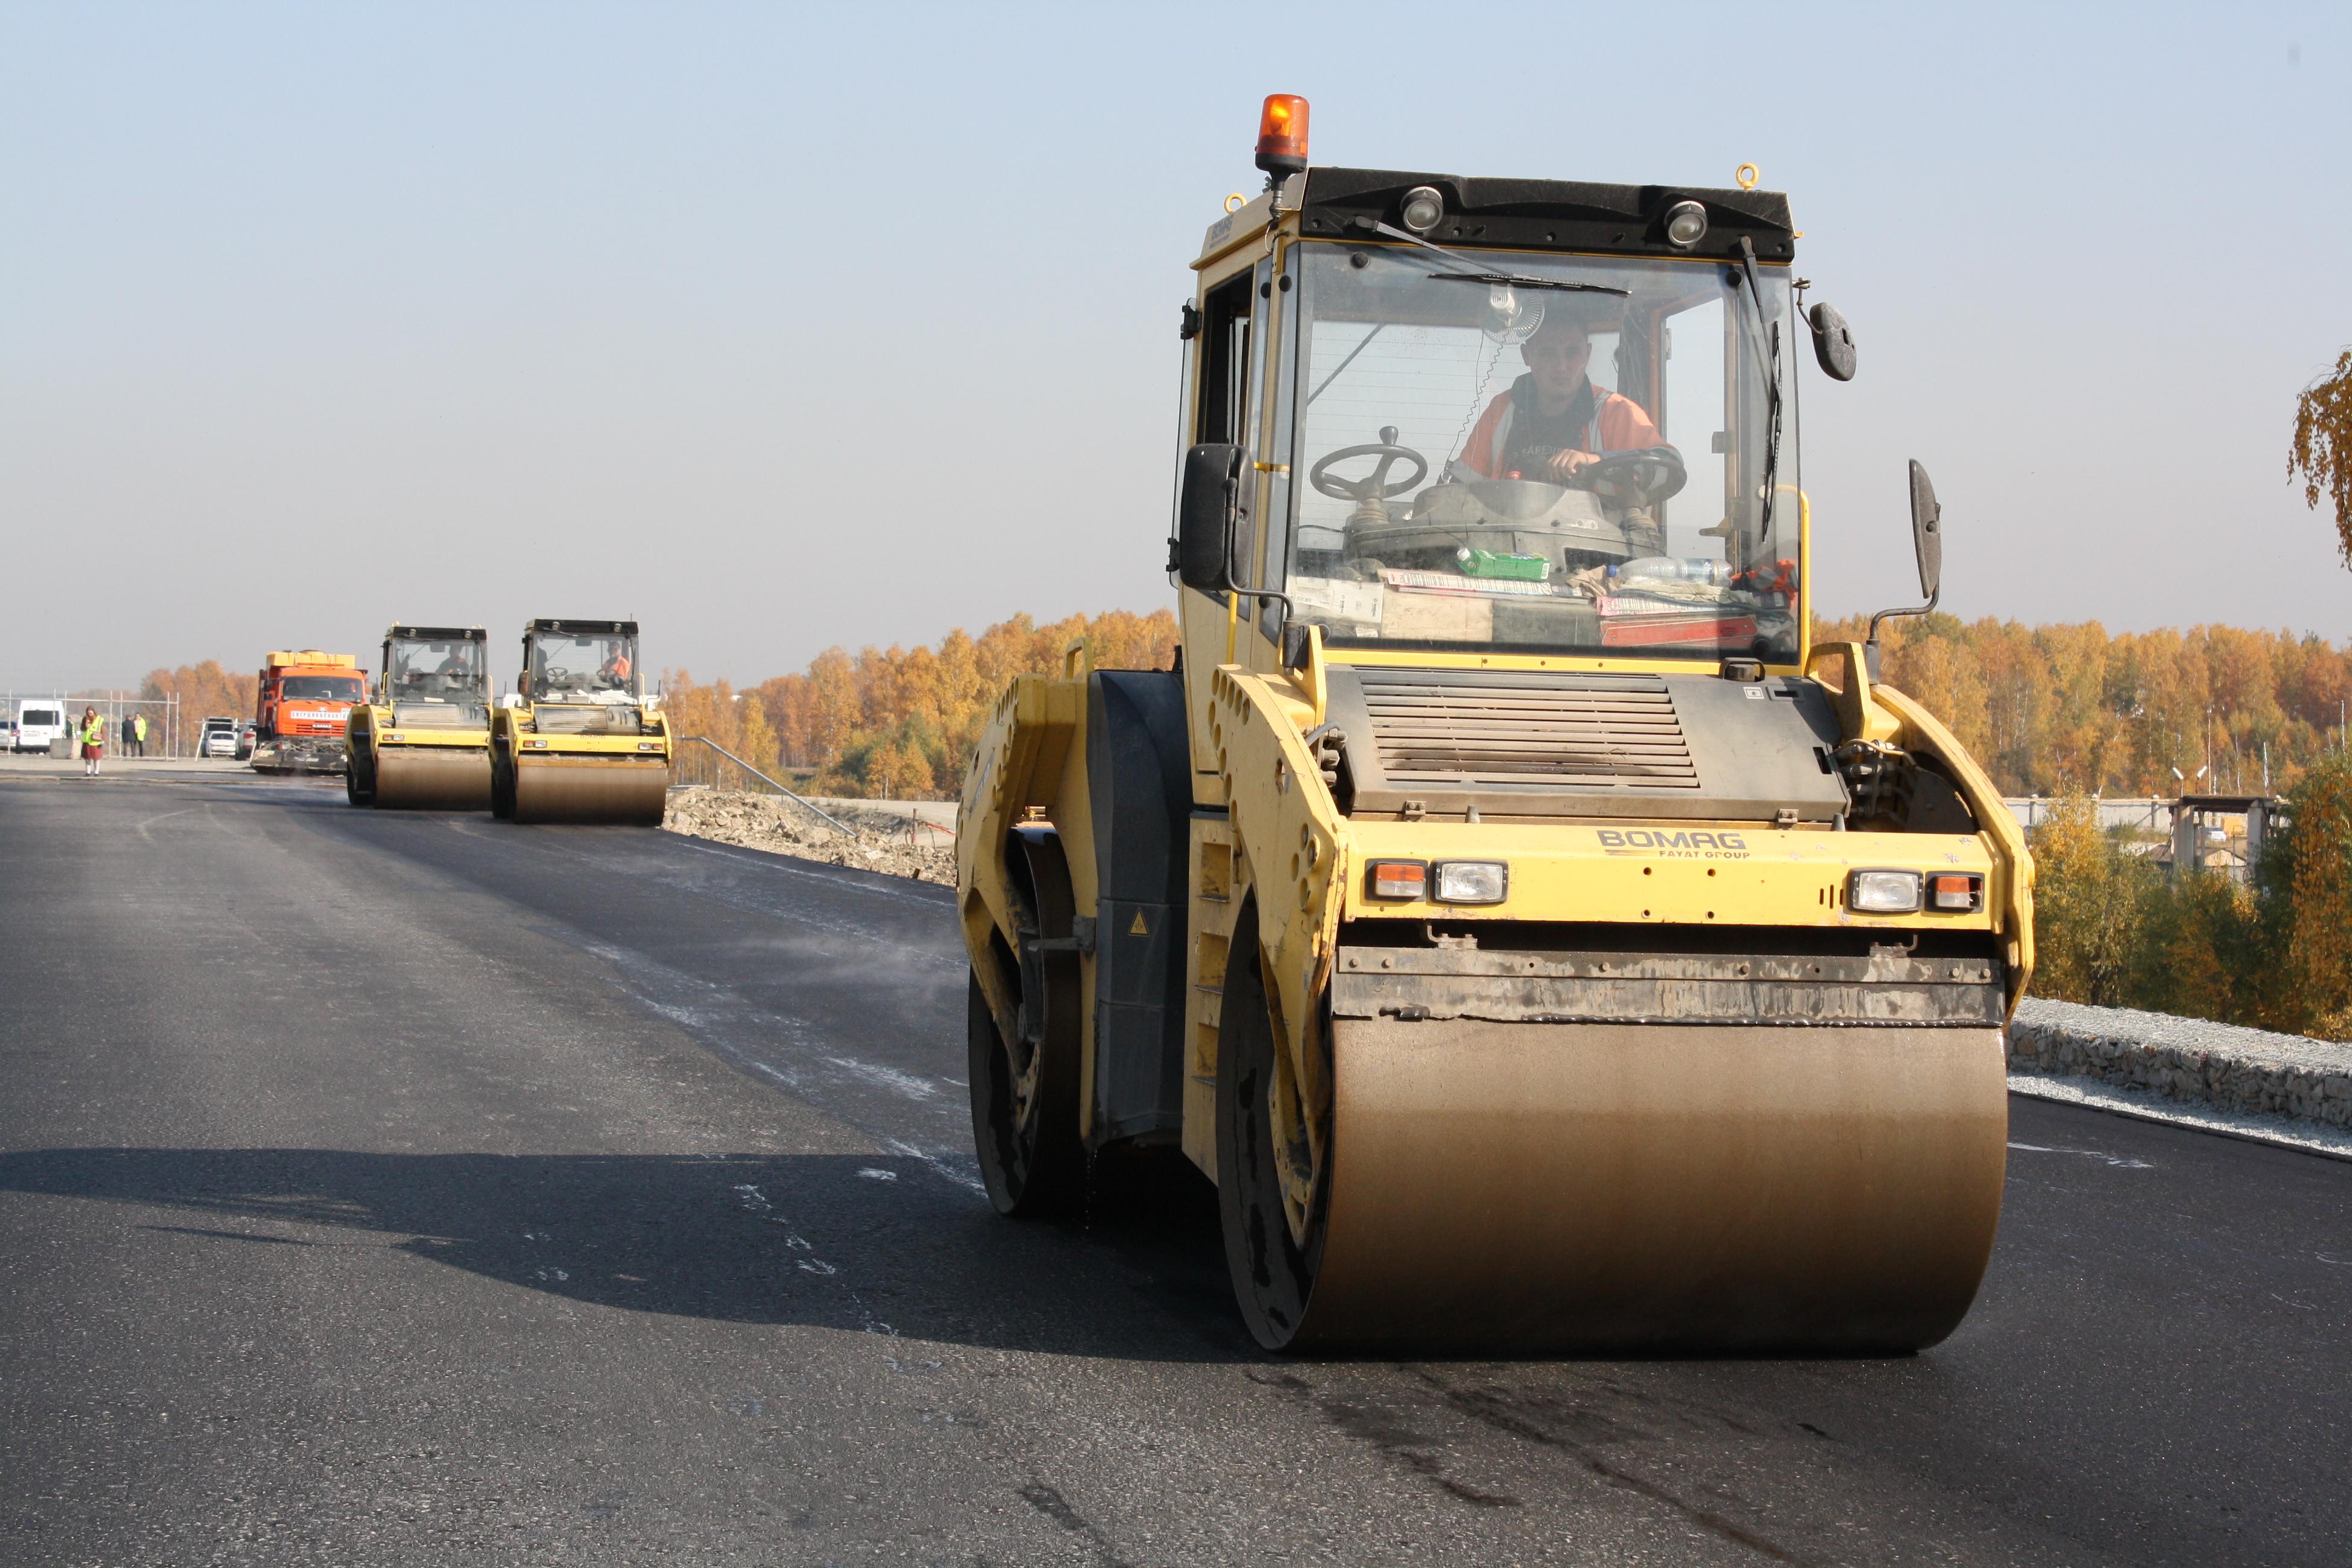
716,767
2152,814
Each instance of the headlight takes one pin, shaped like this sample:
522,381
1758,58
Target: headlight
1470,881
1685,224
1422,208
648,746
1883,892
535,745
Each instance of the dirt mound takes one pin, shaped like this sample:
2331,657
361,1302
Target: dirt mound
772,823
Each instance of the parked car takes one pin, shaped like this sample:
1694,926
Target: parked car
245,740
218,739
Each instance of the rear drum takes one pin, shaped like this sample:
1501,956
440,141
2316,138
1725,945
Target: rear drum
621,793
1618,1188
431,779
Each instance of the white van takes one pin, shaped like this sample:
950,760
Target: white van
39,721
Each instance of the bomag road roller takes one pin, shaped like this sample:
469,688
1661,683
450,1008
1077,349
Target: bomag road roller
422,740
1539,938
579,741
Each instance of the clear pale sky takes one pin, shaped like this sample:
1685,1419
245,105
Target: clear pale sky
778,327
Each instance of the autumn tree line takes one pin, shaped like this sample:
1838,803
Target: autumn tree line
900,723
2058,709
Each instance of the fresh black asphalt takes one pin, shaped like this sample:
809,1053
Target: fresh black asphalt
421,1189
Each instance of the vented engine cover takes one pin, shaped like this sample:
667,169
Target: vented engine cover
1435,742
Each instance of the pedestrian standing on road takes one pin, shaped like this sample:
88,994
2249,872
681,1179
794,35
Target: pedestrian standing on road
138,734
92,732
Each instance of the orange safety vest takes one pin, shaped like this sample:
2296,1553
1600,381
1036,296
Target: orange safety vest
1617,425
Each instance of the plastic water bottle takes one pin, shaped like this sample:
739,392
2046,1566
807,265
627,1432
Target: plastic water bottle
1668,568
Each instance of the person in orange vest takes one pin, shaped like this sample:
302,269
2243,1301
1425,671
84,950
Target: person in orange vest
616,668
1553,422
93,730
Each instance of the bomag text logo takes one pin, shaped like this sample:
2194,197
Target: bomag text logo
1699,844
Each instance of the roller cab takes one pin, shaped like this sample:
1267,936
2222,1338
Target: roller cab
1537,937
579,741
423,739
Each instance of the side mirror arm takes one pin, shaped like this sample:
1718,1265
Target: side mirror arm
1927,544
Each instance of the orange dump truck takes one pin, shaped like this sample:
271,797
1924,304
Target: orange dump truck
304,709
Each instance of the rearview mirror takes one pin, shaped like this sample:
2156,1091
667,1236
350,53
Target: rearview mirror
1204,516
1832,343
1926,531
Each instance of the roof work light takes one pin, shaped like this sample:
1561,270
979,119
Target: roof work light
1282,135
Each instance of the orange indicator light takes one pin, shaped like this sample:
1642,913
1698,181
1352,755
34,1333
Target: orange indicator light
1282,134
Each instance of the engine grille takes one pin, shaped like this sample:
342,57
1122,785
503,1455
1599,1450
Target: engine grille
1510,728
587,719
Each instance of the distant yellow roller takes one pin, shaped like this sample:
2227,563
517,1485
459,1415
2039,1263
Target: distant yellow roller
580,742
422,740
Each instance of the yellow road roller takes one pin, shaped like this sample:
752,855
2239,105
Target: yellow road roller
1541,941
423,739
578,740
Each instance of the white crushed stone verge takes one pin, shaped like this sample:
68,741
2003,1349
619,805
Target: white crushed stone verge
2277,1088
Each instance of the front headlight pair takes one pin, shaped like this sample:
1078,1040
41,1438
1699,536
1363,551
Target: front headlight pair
1439,882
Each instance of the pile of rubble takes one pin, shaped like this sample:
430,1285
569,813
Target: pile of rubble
884,841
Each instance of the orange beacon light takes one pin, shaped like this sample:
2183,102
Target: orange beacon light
1282,135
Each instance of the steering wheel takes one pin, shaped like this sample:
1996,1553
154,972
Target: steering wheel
1374,487
555,677
1636,478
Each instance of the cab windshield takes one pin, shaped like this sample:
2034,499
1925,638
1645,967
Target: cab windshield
1575,468
435,671
320,687
588,668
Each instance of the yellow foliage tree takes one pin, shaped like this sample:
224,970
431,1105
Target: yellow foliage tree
206,692
2087,909
2321,451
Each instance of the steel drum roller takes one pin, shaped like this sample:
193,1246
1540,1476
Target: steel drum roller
1651,1187
433,779
560,789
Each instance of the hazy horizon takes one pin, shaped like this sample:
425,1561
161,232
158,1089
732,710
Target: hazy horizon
781,330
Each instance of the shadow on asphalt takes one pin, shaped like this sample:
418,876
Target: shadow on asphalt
878,1245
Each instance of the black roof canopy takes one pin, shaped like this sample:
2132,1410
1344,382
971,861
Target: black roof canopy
436,633
584,629
1549,215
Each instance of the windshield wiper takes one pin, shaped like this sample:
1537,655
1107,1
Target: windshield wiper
1479,271
1770,341
1518,280
1344,364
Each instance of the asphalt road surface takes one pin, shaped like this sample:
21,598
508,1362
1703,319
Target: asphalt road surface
421,1189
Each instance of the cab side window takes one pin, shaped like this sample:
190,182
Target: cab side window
1224,411
1233,361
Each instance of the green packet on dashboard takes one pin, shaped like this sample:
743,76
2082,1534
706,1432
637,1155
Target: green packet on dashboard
1488,564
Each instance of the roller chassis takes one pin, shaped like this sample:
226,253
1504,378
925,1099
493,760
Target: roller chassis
1274,882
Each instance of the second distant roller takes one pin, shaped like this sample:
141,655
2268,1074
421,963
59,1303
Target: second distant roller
580,740
423,739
